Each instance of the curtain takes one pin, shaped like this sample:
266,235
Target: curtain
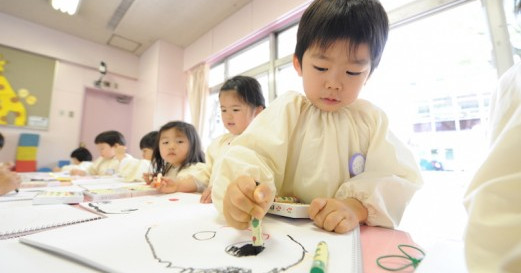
197,94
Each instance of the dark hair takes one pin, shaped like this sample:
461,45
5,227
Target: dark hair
248,89
359,21
148,141
111,138
2,141
82,154
195,152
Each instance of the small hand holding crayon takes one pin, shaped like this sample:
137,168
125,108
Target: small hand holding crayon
9,181
157,182
244,199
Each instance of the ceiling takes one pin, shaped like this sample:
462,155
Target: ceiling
131,25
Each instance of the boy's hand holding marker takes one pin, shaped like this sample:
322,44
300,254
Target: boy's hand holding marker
244,199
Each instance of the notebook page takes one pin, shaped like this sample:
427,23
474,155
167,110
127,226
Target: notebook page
18,221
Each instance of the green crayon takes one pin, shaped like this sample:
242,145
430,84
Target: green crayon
320,259
256,231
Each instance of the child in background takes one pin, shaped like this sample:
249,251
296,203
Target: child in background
138,169
81,159
241,101
9,181
147,145
113,156
327,148
176,156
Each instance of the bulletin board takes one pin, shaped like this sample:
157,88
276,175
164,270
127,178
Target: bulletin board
26,82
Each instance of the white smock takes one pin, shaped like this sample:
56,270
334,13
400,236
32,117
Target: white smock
493,198
302,151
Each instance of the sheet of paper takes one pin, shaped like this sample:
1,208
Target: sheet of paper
190,236
17,196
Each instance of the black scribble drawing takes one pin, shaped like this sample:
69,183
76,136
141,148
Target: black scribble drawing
98,209
231,249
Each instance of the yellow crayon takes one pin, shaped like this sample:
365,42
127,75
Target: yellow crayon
286,199
320,259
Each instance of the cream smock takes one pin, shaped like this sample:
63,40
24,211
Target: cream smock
213,153
305,152
194,171
134,168
493,198
103,166
84,166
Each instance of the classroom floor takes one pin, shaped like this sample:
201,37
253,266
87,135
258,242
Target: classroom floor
436,213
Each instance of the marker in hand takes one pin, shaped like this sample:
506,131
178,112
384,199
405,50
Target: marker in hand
157,183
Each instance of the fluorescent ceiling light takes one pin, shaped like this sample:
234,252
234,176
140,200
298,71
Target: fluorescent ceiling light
66,6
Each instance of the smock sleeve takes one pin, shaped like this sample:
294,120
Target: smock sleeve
390,178
493,233
195,171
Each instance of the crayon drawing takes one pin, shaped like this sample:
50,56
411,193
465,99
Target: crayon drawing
224,244
186,236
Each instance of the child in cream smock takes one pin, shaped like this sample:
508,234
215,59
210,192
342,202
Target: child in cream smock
327,148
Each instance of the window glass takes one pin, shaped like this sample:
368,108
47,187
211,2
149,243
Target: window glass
286,41
514,28
263,79
287,79
434,81
216,75
249,58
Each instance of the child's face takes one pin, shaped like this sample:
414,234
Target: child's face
173,146
75,161
105,150
334,77
146,153
235,113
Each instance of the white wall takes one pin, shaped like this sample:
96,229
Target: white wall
162,89
238,27
76,69
156,80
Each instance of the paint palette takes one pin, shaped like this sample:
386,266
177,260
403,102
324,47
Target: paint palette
291,210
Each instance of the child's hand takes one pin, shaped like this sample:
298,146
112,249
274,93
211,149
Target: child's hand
243,199
336,215
9,181
77,172
148,177
167,185
206,196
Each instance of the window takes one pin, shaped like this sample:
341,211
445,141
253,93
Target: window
436,96
249,58
447,91
216,75
286,42
287,79
514,28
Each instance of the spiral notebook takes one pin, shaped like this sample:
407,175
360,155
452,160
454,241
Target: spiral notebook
20,221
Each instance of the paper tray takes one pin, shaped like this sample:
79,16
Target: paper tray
292,210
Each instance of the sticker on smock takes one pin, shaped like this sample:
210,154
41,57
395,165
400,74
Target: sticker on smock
356,164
